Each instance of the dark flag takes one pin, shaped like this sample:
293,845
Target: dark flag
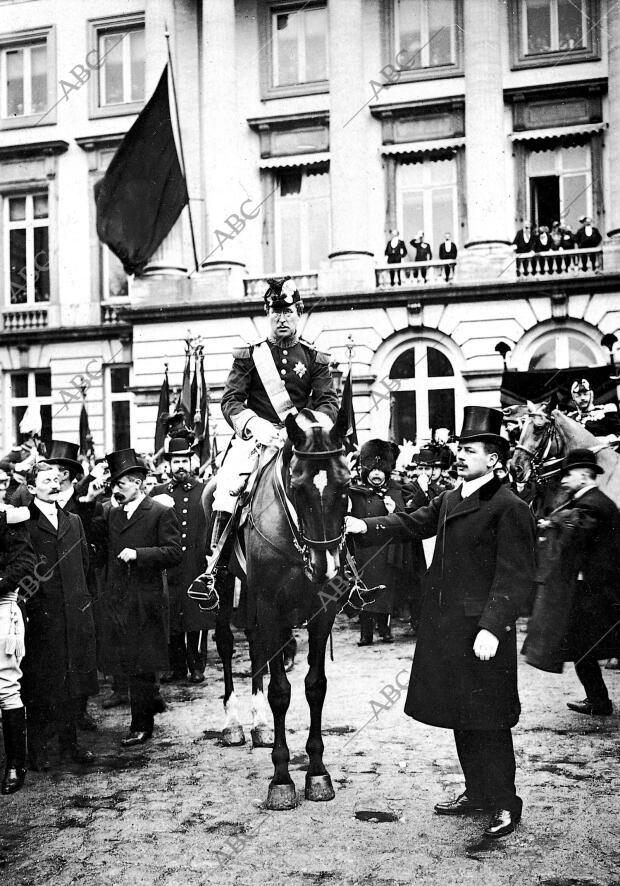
187,393
347,404
201,413
214,455
163,410
143,191
86,439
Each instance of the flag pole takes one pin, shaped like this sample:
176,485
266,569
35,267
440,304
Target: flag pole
182,153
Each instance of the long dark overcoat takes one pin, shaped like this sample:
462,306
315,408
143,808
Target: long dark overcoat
185,614
482,568
572,616
134,596
60,632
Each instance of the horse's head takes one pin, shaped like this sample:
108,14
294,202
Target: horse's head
537,441
319,480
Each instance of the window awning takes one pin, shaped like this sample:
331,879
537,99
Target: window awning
429,147
294,160
556,133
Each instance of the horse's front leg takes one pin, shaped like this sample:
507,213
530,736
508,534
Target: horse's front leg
232,733
318,782
262,730
281,788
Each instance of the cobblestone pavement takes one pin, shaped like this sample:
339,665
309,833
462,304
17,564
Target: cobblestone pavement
185,810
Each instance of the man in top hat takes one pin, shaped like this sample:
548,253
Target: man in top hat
584,555
395,251
187,649
464,672
397,567
601,420
139,540
268,381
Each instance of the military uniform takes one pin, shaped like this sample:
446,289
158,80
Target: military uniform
602,421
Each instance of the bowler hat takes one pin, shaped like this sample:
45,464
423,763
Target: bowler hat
178,446
65,454
124,461
581,458
425,458
483,423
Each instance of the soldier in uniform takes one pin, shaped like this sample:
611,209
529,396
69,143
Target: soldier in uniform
187,649
255,402
602,420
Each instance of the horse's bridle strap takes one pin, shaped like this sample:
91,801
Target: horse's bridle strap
318,456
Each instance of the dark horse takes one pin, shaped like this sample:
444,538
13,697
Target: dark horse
293,535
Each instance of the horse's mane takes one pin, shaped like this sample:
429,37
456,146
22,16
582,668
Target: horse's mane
575,435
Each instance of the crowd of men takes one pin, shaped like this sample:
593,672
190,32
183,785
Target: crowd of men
98,567
531,241
421,254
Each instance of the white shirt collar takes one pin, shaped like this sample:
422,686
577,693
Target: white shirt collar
49,510
64,496
584,489
468,487
131,507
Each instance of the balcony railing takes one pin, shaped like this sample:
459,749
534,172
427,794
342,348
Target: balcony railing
109,314
16,321
255,287
438,272
557,262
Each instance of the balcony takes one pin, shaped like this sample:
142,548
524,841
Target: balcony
559,263
24,320
307,284
422,273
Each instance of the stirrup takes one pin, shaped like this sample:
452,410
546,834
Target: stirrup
202,590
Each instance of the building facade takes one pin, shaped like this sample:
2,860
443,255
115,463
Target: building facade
309,130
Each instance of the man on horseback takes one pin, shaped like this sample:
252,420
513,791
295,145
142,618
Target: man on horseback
269,380
602,420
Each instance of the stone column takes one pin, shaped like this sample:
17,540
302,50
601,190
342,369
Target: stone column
351,262
222,260
487,252
611,245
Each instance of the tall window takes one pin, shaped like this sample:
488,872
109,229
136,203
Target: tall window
427,200
23,80
121,74
560,185
426,32
27,248
302,221
563,350
119,398
554,25
32,389
299,45
425,399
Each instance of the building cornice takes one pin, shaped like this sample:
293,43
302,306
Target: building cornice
28,150
55,334
597,85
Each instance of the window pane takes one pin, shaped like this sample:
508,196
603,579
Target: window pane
39,205
570,24
17,209
579,353
111,48
43,384
315,21
290,235
403,418
409,36
538,14
576,158
38,78
15,83
121,437
404,366
119,379
542,163
41,271
443,217
412,214
17,259
574,199
443,172
137,66
440,31
46,426
19,384
286,44
438,366
441,409
544,356
318,231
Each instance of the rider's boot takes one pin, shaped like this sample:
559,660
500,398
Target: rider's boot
203,589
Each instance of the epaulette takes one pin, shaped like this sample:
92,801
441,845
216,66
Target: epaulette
242,353
609,407
319,356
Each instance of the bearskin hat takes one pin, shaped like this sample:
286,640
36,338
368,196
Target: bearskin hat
378,454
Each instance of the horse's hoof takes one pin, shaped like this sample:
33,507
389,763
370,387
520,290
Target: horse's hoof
262,737
319,788
233,736
281,796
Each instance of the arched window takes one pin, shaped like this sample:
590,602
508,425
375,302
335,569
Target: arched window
563,351
425,396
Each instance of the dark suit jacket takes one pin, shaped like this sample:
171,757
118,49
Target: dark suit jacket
396,253
521,243
445,253
482,569
422,251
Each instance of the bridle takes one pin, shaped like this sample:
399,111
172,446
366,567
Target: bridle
540,454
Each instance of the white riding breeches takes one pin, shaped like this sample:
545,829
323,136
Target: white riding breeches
237,466
11,654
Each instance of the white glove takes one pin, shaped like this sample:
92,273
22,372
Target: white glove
263,431
423,481
15,514
354,526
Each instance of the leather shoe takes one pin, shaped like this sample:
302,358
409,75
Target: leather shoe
116,700
172,677
387,637
503,822
196,677
461,805
86,723
594,708
13,779
135,738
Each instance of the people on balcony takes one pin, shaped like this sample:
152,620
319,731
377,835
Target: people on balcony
448,252
422,252
567,241
524,243
588,237
544,243
395,251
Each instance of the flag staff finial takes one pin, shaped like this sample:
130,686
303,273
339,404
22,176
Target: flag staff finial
181,151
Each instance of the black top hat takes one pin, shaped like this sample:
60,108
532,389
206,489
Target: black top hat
124,461
483,423
178,446
282,293
65,454
581,458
